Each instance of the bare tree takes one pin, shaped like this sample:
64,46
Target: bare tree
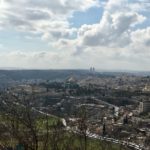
82,126
21,119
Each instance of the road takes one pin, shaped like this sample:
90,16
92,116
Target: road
90,135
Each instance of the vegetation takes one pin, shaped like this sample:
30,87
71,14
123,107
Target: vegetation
21,124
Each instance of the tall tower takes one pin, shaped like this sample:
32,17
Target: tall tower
92,70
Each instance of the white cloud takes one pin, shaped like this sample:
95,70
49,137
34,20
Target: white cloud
41,59
43,17
117,41
141,41
112,31
116,38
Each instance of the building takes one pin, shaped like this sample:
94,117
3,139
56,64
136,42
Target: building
92,70
144,106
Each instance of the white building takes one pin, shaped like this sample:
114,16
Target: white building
144,106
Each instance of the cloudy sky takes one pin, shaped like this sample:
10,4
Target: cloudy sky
48,34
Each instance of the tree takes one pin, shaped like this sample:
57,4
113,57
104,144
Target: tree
82,127
20,119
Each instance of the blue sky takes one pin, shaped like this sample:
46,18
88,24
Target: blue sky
46,34
91,16
12,40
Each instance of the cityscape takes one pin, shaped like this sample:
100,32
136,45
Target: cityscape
116,105
74,74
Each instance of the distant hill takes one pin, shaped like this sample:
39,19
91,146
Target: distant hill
8,77
40,74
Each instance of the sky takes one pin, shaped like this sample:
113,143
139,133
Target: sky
75,34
